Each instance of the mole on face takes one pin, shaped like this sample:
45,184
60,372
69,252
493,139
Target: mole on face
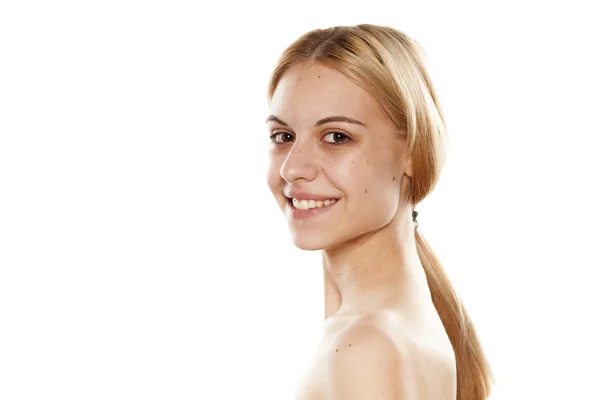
394,178
365,191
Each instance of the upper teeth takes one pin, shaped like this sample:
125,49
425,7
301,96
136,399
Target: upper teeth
306,204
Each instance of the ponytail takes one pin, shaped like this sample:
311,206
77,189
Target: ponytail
474,376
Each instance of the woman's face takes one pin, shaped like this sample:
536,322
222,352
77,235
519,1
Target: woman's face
358,165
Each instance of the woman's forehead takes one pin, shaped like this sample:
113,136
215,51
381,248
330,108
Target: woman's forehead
307,81
306,91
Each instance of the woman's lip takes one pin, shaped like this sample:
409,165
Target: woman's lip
308,196
298,213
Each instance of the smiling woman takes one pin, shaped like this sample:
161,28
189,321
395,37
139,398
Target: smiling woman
357,141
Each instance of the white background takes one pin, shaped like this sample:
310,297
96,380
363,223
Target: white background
141,253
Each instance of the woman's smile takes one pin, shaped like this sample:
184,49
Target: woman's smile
302,209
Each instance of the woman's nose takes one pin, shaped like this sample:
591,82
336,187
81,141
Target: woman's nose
299,164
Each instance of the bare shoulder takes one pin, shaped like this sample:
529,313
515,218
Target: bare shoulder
365,363
376,359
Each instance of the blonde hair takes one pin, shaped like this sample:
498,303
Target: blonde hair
390,66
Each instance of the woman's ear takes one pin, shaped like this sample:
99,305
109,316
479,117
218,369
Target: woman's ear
408,168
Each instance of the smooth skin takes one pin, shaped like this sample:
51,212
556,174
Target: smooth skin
382,337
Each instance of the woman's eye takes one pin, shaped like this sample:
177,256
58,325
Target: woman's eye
337,138
282,137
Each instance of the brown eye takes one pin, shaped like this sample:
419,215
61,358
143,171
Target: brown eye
282,137
337,138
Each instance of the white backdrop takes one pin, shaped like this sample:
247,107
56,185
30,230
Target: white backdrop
141,253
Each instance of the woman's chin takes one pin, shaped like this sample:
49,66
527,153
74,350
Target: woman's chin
313,242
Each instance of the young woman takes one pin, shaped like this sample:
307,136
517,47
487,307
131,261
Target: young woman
357,142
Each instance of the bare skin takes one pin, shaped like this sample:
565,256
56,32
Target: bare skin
375,291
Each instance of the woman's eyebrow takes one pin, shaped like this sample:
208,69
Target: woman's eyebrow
322,121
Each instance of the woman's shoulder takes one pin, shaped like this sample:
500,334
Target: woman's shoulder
387,325
386,351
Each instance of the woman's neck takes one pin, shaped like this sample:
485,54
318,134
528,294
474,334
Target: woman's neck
375,271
